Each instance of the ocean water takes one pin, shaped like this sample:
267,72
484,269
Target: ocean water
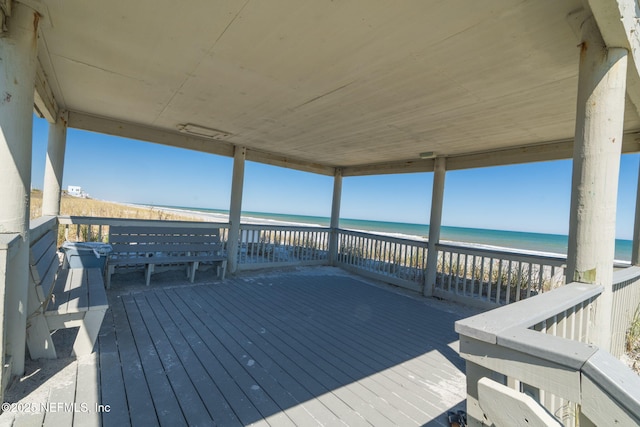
539,242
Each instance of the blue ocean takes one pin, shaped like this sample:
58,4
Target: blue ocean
539,242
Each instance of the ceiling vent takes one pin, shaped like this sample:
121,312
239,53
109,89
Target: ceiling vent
203,131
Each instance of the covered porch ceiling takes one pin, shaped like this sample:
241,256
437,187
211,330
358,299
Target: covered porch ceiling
365,86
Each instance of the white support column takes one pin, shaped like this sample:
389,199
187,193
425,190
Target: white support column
54,167
235,208
596,163
18,49
335,216
437,198
635,248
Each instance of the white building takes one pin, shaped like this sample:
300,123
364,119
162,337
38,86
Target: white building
76,191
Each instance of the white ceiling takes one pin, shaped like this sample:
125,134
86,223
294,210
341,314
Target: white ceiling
336,83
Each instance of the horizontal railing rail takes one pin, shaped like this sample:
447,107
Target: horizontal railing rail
539,346
493,277
263,246
399,261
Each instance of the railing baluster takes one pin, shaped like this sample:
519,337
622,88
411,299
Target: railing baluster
473,275
499,284
519,281
450,270
508,291
464,275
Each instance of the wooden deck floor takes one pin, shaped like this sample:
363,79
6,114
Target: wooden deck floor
288,349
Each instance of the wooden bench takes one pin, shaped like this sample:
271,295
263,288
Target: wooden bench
61,298
152,246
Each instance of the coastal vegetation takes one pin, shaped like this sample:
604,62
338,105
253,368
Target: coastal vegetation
76,206
633,342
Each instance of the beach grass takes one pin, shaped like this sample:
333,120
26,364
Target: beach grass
76,206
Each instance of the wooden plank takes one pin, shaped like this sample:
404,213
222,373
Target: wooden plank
141,406
385,337
212,397
58,295
41,247
63,399
310,377
332,360
621,386
280,395
357,346
195,332
97,294
375,384
43,99
162,395
29,420
259,350
78,291
112,388
505,406
87,392
114,222
193,409
125,230
175,240
487,326
543,374
251,386
48,269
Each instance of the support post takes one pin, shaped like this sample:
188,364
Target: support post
335,217
235,208
437,198
18,49
596,163
54,167
635,248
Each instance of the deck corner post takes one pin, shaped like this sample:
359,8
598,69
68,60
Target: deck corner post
54,167
335,217
18,50
235,208
596,164
437,199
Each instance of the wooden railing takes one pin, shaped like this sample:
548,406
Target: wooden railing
626,304
263,246
539,347
491,277
399,261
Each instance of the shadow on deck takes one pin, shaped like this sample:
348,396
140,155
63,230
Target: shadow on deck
306,347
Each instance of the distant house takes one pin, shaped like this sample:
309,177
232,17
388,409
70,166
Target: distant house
76,191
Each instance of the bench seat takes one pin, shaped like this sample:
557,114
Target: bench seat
62,298
151,246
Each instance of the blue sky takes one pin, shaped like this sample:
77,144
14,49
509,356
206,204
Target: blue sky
530,197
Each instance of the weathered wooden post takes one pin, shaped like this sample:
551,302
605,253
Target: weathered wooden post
18,49
335,217
596,163
235,209
437,198
54,168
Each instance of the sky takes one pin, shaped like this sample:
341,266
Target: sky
533,197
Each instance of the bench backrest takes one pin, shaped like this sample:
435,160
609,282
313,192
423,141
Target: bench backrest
43,266
149,239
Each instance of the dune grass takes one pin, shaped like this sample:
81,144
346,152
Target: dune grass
75,206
